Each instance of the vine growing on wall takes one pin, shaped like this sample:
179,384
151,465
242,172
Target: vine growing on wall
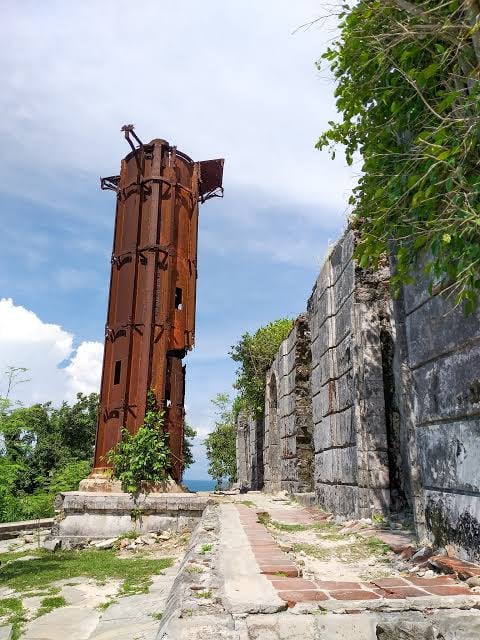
408,91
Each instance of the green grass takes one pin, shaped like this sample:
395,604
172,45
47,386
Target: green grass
361,549
157,616
194,568
248,503
206,548
41,571
104,605
8,556
326,530
130,535
12,611
313,551
49,604
203,594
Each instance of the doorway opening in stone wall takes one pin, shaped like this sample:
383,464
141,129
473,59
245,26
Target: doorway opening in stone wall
398,499
258,453
272,462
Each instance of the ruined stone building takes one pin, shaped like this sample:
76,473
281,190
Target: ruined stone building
372,405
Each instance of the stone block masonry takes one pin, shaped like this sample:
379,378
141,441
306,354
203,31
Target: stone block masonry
374,404
349,310
288,438
85,516
438,376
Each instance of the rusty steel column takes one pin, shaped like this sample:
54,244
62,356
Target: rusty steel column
151,306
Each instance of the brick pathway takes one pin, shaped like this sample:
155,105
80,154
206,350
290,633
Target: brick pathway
285,576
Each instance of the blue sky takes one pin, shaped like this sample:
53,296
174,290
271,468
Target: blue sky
218,79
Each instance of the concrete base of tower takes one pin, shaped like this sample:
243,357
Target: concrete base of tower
85,516
100,481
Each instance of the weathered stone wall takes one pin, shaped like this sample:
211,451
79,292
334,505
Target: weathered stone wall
390,392
288,452
438,353
348,309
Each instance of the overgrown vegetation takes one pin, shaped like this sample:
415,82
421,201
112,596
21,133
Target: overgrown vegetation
13,612
43,450
220,443
359,549
255,353
408,91
142,457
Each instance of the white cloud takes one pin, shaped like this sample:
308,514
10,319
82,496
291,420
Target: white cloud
85,368
27,341
216,78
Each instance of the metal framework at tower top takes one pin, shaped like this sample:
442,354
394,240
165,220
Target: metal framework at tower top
151,305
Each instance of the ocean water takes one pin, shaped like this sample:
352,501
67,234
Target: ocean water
200,485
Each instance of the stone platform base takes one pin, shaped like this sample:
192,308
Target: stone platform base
83,516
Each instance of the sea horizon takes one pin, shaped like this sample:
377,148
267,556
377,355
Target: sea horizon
200,485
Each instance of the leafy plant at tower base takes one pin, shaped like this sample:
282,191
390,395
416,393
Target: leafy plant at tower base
142,457
408,91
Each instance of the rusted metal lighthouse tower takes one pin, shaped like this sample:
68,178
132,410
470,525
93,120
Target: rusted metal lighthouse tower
151,307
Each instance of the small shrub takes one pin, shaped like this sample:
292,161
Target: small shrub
49,604
142,457
206,548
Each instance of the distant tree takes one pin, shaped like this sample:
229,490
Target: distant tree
189,434
255,354
43,450
220,443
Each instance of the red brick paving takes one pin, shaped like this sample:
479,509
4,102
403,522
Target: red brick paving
443,590
406,592
331,585
353,594
293,597
437,580
389,582
284,574
297,584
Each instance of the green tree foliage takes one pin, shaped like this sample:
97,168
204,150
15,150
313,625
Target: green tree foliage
255,354
43,450
220,443
408,91
189,434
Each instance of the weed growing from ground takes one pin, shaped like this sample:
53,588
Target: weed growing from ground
49,604
206,548
194,568
12,611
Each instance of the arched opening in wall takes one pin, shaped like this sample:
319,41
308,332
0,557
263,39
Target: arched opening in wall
273,454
